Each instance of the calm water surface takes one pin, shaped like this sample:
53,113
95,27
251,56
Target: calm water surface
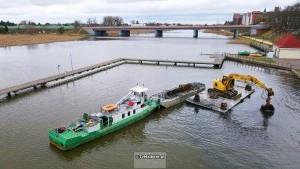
191,137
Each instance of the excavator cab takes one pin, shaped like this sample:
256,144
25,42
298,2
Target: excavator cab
224,79
228,83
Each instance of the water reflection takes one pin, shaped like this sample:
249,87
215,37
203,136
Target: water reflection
32,47
266,117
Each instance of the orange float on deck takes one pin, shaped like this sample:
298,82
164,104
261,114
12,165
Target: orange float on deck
109,107
255,55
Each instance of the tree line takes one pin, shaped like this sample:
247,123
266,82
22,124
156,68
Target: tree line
106,21
30,25
287,20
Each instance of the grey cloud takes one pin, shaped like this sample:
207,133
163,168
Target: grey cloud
131,1
163,10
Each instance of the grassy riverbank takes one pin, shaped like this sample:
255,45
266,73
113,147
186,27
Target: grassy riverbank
27,39
240,40
218,32
7,40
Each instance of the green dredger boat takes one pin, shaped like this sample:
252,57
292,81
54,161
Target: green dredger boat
131,108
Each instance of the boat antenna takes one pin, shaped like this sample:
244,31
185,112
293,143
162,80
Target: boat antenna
71,61
72,66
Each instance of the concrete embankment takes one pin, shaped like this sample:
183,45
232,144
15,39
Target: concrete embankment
295,73
276,65
261,47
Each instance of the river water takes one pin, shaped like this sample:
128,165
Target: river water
191,137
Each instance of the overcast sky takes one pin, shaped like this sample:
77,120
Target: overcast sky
170,11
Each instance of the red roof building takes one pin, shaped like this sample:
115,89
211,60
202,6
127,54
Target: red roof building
288,41
288,47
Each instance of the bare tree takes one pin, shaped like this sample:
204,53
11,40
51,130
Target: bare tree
112,21
92,22
77,23
89,22
287,20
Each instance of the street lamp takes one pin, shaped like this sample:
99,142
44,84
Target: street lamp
58,66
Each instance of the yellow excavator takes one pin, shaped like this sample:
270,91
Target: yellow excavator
225,88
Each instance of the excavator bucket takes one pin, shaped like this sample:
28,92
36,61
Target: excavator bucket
270,92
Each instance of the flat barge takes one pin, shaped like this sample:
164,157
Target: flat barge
179,94
220,104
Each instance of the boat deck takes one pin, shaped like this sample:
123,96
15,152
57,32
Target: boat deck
215,104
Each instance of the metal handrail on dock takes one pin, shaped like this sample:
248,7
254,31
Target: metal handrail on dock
174,62
277,65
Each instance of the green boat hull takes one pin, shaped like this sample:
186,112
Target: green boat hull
70,139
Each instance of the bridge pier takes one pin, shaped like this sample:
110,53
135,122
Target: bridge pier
216,66
235,33
195,35
100,33
158,33
124,33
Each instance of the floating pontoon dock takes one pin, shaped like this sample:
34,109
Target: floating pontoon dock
216,104
86,71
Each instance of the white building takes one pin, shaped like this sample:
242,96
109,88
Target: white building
288,47
246,19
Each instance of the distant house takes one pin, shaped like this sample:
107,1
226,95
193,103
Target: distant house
288,47
237,18
138,25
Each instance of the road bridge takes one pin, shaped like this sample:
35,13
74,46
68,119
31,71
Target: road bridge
124,31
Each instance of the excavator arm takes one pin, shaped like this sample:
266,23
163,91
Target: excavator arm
225,88
248,78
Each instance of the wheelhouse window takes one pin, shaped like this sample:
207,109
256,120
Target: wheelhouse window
133,111
123,115
128,114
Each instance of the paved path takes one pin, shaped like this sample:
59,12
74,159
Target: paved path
259,40
294,62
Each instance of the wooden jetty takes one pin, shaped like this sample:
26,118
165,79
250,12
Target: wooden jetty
85,71
42,82
217,63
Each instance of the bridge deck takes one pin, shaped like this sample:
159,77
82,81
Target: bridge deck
172,27
43,81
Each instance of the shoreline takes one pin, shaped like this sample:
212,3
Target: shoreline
9,40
